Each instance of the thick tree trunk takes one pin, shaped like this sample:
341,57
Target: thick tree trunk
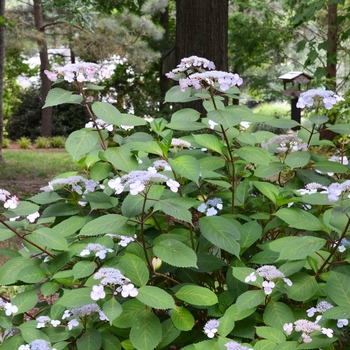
46,114
2,63
332,37
202,30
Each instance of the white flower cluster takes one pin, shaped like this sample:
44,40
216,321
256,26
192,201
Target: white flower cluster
137,181
81,312
100,250
38,344
210,206
233,345
9,308
112,278
191,62
269,273
306,327
100,124
321,308
329,98
77,183
286,143
10,202
178,143
43,321
160,165
337,159
201,80
211,328
336,189
124,240
81,72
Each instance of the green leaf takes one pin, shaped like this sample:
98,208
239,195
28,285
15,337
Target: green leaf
135,268
226,325
105,224
83,269
47,238
100,171
49,288
337,312
60,209
237,315
25,208
282,123
338,288
308,175
175,94
209,141
304,287
134,205
132,309
12,343
25,301
45,198
182,319
169,333
271,169
250,299
297,159
32,274
132,120
300,219
29,333
155,297
267,189
70,226
196,295
226,118
75,298
185,115
147,147
208,262
330,167
264,345
276,314
10,270
220,232
90,340
112,309
188,126
121,158
186,166
254,155
318,119
286,345
146,332
109,341
250,232
81,142
174,209
107,112
175,253
339,128
60,96
271,334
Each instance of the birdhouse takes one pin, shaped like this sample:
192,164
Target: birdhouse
293,83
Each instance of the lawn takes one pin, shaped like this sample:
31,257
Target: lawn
26,171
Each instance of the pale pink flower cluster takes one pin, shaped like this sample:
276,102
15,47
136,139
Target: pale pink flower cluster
328,97
225,80
306,327
193,62
269,273
10,202
81,72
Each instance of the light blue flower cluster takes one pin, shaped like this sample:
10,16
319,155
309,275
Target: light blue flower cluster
210,206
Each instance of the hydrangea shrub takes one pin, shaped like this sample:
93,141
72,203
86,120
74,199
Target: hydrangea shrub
217,239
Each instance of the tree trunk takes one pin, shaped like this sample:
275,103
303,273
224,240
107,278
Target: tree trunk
332,38
2,63
202,30
46,114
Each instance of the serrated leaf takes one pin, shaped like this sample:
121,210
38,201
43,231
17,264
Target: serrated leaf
121,158
271,169
267,189
175,253
338,288
90,340
70,226
10,270
45,198
250,299
81,142
297,159
83,269
276,314
304,287
49,288
300,219
110,341
32,274
271,333
188,126
135,268
75,297
112,309
226,118
174,94
318,119
58,96
250,232
282,123
209,141
182,319
100,171
155,297
174,209
339,128
169,333
220,232
25,301
330,167
197,295
60,209
107,112
186,166
132,309
46,237
146,332
105,224
254,155
226,325
337,312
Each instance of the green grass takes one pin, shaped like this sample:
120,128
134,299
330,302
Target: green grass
26,171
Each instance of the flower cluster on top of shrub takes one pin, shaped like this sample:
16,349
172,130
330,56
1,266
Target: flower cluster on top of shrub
219,239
